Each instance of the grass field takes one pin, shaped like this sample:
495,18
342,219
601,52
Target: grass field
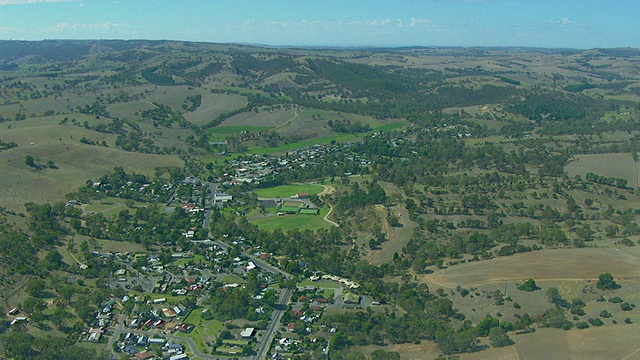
290,222
236,129
286,191
619,165
558,264
214,105
111,206
606,342
325,284
45,139
204,330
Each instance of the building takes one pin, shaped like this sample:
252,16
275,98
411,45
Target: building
222,197
248,333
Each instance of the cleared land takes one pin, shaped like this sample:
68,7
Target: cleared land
619,165
214,105
290,222
558,264
286,191
610,342
45,139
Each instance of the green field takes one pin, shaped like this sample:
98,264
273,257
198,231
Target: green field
620,165
204,330
324,284
290,222
111,206
286,191
236,129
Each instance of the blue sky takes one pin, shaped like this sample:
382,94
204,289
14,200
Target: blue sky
540,23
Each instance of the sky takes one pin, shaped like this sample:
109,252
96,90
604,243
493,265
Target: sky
388,23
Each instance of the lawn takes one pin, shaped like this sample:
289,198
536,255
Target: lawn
286,191
231,279
325,284
204,330
290,222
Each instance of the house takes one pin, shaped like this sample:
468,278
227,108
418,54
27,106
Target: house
169,312
145,355
19,319
173,346
143,340
248,333
128,338
250,266
179,357
94,334
302,195
222,197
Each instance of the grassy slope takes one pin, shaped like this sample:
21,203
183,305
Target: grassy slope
45,140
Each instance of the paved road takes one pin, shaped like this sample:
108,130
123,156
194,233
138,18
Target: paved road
272,327
190,343
116,335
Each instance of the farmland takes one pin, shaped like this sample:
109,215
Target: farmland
457,176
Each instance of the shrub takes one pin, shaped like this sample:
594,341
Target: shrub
529,285
596,322
582,325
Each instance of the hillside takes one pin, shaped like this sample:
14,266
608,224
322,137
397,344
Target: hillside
453,198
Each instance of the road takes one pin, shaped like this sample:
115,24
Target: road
274,322
272,327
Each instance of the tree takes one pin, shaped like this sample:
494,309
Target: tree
54,260
606,282
529,285
32,305
30,161
486,325
66,292
499,338
35,287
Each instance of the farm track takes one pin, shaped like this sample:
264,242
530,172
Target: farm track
295,116
326,190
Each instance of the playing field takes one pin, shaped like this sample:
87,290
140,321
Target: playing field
286,191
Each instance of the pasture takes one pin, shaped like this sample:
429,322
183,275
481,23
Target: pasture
44,139
621,165
214,105
286,191
606,342
544,265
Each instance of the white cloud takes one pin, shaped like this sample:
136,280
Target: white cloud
416,22
24,2
76,26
